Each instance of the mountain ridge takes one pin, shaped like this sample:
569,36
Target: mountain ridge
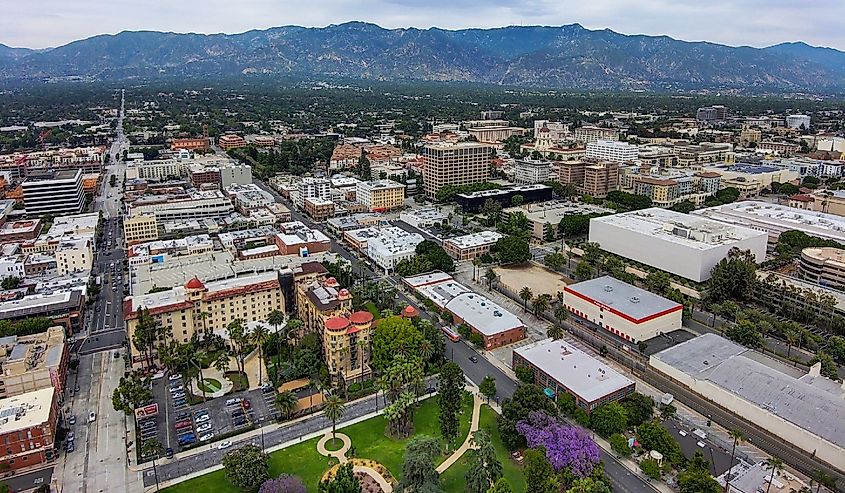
560,57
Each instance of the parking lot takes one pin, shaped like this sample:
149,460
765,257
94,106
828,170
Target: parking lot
178,425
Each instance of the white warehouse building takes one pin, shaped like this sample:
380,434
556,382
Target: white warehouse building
392,246
805,410
612,150
677,243
625,310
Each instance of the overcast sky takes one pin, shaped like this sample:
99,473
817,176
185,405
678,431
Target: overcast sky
44,23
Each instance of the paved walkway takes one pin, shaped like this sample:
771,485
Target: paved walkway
339,454
226,384
254,367
473,427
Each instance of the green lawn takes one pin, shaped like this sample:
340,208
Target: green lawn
368,440
210,385
453,479
372,308
238,379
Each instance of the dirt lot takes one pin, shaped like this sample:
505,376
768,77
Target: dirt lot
537,278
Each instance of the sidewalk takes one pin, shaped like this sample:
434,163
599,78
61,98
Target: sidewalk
473,427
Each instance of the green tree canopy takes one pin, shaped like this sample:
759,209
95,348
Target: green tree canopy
247,467
394,335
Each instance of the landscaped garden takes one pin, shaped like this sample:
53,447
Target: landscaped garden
210,385
369,441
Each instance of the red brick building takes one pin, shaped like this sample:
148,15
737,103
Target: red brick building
28,428
200,144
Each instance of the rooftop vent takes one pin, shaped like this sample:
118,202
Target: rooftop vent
608,288
635,299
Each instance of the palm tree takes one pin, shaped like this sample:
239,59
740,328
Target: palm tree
221,362
554,331
292,328
238,338
525,295
287,403
490,276
362,346
152,448
277,318
202,317
426,350
560,314
259,337
540,305
737,436
334,411
776,465
791,338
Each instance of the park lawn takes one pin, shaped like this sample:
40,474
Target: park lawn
370,441
372,308
453,478
210,385
300,460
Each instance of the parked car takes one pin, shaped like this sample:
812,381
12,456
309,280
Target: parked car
70,436
178,395
233,401
202,419
71,420
175,376
224,445
182,415
70,447
239,421
183,424
168,453
200,412
204,427
148,424
246,403
207,437
176,388
92,416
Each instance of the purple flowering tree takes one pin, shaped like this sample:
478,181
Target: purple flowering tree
283,484
566,446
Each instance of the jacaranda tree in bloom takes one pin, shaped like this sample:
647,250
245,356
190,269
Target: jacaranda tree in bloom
566,446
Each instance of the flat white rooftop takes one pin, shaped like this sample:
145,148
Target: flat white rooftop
476,239
690,231
25,410
584,375
776,218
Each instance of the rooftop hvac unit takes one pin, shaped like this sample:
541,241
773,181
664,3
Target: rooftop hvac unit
608,288
635,299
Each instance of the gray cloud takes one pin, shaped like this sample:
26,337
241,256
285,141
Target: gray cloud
42,23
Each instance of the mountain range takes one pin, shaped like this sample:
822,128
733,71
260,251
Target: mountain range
563,57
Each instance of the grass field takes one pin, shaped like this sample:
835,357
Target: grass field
453,478
210,385
368,440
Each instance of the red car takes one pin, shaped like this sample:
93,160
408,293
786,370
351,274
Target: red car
246,403
183,424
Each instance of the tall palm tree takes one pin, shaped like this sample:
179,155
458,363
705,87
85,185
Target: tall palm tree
776,465
791,338
554,331
287,403
277,318
291,329
152,448
334,411
540,305
202,317
560,314
525,295
221,362
426,350
737,436
259,337
362,347
237,337
490,276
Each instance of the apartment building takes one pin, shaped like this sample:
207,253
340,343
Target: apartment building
248,298
527,171
695,155
588,134
612,150
140,228
600,179
298,239
455,164
326,309
75,254
711,113
199,144
234,174
33,362
319,209
785,149
494,134
28,428
824,266
380,195
312,188
53,193
471,246
798,122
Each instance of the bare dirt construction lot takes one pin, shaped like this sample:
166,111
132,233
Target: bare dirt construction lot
537,278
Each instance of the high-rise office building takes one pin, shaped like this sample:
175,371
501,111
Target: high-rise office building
455,164
54,193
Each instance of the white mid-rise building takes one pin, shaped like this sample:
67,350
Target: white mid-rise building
774,219
612,150
527,171
391,246
798,122
208,204
681,244
235,174
53,193
312,188
75,254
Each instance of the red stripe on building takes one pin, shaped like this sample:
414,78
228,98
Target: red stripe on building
624,315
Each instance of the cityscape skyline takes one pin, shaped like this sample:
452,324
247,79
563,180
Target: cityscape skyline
49,23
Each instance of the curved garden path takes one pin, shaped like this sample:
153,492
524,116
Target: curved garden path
473,427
